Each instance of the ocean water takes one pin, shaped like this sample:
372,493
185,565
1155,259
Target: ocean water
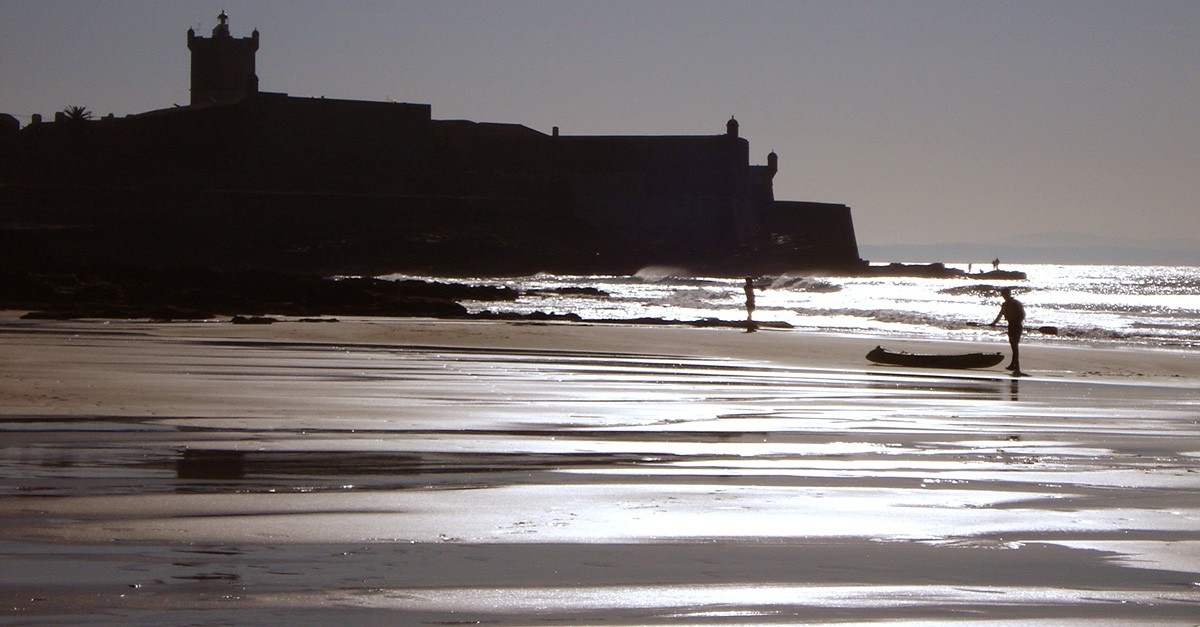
1148,306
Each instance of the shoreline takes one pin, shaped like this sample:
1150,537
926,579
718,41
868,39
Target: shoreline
775,342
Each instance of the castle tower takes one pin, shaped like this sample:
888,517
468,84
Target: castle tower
222,66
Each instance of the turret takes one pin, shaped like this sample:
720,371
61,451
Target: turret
222,65
731,127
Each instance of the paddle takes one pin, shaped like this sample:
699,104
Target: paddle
1046,330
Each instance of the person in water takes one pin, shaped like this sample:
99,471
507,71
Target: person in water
1014,312
749,289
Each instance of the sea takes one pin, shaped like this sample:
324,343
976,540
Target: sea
1115,305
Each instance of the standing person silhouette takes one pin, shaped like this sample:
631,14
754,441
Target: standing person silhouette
749,289
1014,312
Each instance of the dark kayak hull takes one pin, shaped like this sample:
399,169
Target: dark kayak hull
881,355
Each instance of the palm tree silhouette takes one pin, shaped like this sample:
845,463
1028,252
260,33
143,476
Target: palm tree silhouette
76,114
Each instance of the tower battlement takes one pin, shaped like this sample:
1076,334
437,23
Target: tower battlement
222,65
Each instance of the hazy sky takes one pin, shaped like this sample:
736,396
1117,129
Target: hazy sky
935,121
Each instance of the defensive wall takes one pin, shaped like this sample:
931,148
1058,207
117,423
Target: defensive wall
244,178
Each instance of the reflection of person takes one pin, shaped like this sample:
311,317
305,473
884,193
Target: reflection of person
749,289
1014,312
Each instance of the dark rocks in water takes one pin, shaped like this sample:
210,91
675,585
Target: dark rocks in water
192,294
535,316
448,291
541,316
930,270
1010,275
253,320
938,270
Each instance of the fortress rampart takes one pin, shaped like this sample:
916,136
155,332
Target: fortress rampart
243,178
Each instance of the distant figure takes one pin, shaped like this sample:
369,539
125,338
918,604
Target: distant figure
996,263
969,267
749,289
1014,312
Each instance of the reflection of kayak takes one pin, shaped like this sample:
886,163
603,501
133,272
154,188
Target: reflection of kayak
881,355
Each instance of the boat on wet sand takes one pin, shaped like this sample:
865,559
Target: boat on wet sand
881,355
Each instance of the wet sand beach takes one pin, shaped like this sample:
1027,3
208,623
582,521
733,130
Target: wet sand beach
448,472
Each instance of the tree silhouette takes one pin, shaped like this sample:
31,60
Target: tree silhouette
76,114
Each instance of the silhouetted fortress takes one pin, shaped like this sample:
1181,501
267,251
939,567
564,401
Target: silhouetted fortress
243,178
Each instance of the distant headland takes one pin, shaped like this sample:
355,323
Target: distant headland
242,179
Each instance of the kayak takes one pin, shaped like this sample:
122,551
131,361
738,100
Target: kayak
881,355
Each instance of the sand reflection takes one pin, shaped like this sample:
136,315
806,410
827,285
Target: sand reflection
516,484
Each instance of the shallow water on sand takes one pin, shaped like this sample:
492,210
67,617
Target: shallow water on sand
424,484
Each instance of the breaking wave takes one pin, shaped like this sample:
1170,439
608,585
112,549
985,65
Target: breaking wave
656,274
805,284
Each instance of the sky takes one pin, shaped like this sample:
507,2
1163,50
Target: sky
937,122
